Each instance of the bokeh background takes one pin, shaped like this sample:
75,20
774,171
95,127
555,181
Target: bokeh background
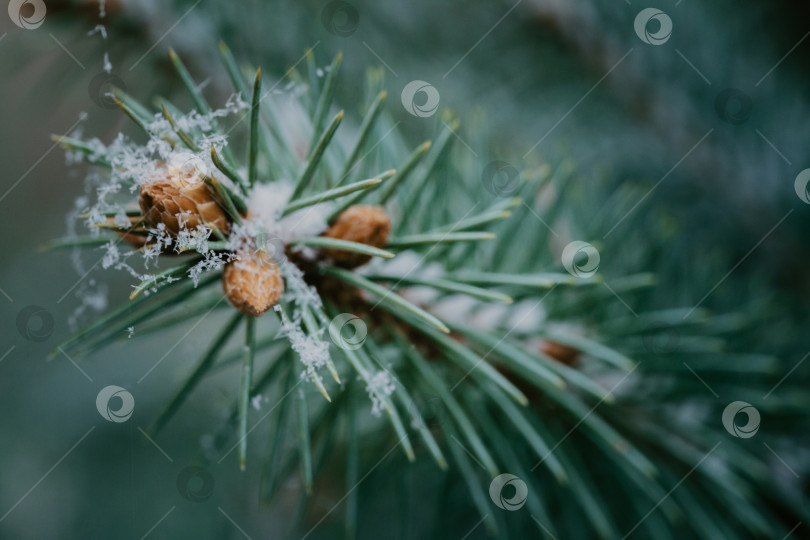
715,120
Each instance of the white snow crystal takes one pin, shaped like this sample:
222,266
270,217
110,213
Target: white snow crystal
256,402
99,29
268,200
312,350
380,386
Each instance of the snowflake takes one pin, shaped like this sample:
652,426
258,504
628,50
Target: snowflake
379,387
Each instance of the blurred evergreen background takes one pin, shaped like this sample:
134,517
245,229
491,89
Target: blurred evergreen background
558,81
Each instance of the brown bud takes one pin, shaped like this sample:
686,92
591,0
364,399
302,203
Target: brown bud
560,352
359,223
252,283
180,199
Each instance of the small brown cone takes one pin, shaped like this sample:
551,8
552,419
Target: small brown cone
359,223
560,352
181,199
252,283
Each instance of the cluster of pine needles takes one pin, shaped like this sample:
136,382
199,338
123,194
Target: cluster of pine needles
535,372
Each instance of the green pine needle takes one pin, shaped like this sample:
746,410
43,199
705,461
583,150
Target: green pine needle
331,194
386,296
228,171
315,157
173,273
444,285
413,240
327,95
369,121
185,138
78,241
188,82
232,203
205,364
89,152
303,439
253,144
413,160
244,392
343,245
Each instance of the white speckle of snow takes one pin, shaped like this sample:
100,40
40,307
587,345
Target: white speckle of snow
107,64
407,263
298,290
92,297
111,256
99,29
136,164
312,350
525,316
256,402
379,387
268,200
421,295
130,332
455,308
